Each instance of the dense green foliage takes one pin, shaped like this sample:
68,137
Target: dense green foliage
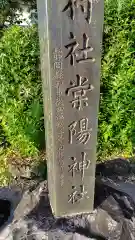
21,112
117,106
20,90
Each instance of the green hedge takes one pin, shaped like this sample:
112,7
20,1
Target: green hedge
21,110
117,105
21,113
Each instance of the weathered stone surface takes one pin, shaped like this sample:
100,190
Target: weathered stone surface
108,221
70,39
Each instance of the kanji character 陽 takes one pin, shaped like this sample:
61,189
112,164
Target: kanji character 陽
84,133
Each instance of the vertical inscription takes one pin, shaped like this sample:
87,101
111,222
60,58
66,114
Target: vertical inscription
58,68
79,130
58,64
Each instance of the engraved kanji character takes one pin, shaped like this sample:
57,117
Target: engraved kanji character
84,133
72,131
73,196
77,195
73,167
84,164
82,54
83,193
57,55
79,91
77,54
57,65
72,46
84,5
79,166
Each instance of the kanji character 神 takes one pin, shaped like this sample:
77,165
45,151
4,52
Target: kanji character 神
81,166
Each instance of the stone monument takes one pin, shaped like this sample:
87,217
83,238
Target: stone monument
70,41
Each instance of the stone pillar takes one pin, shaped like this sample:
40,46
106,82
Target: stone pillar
70,40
